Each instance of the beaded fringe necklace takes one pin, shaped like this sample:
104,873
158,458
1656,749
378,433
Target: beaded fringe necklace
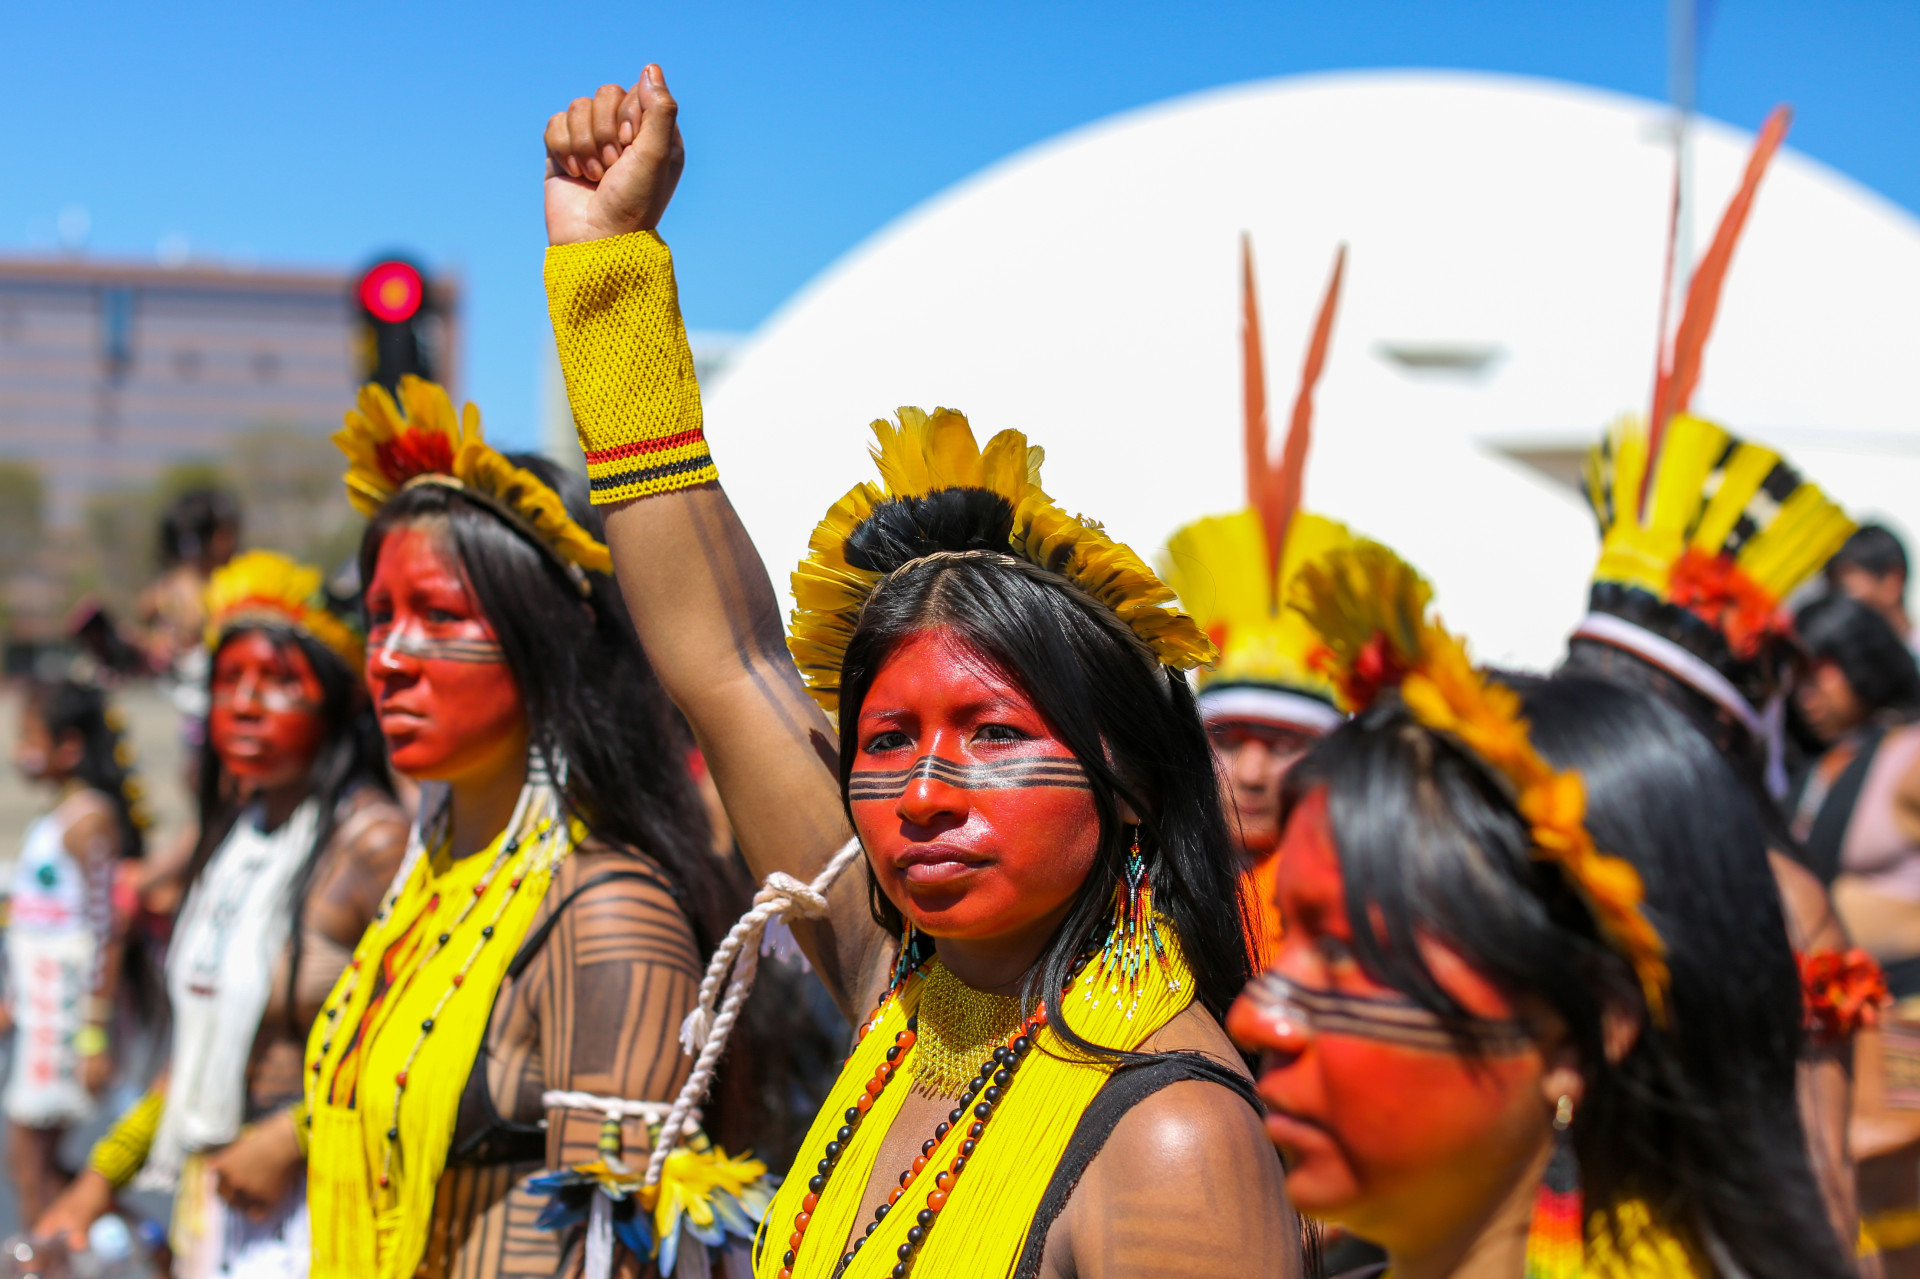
981,1174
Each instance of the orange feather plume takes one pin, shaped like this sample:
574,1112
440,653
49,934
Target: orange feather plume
1274,485
1680,371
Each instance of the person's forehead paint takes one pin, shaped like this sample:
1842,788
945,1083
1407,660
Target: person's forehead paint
1365,1100
978,817
439,679
265,720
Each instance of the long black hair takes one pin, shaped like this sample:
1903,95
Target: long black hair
352,754
591,696
1857,639
106,757
1130,723
1698,1120
1743,751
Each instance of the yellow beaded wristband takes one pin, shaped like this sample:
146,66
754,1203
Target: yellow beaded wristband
123,1151
629,370
90,1041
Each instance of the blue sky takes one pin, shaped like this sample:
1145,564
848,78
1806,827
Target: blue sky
321,134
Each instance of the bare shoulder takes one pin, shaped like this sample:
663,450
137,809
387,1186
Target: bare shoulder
1811,921
1196,1031
619,906
1212,1164
370,830
92,831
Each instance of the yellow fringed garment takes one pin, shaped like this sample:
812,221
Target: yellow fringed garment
982,1228
362,1230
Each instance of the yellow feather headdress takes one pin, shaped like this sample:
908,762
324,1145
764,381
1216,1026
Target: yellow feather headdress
266,587
1728,529
1370,609
419,440
928,453
1232,571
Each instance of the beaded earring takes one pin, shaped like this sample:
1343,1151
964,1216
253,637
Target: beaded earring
1556,1247
904,965
1133,937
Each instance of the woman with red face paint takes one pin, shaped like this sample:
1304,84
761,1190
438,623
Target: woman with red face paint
1534,1011
514,1002
1047,928
299,835
64,934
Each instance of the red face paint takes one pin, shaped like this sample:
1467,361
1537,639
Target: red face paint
440,684
1398,1139
979,821
266,721
1254,759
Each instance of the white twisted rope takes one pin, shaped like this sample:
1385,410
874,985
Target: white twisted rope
611,1107
705,1030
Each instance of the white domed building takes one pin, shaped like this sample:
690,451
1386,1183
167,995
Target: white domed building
1506,241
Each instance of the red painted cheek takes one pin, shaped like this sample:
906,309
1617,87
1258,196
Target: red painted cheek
446,714
268,748
1037,843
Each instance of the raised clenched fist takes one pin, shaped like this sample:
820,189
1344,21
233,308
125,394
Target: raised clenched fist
613,161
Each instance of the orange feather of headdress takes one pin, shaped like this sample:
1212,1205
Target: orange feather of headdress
1274,484
1679,371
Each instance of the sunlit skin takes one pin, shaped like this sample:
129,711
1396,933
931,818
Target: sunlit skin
265,722
443,692
1254,758
1415,1149
989,871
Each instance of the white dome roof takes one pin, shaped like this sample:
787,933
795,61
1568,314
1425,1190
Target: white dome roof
1086,292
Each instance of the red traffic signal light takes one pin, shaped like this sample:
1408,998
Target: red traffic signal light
392,292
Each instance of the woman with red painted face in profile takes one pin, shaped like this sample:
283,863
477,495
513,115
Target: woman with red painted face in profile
544,936
1045,929
299,836
1534,1010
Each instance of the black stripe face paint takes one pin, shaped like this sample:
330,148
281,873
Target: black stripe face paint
1382,1018
1009,774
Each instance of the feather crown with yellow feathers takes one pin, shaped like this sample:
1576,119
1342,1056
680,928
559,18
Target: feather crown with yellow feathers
1370,611
1705,535
923,454
1231,571
418,439
266,588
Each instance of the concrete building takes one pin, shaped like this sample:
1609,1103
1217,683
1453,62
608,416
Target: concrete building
110,371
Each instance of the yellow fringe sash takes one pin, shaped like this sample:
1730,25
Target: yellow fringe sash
982,1228
361,1229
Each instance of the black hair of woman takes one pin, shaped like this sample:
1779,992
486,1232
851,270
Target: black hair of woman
352,754
68,706
1130,723
1862,643
193,521
1697,1119
592,699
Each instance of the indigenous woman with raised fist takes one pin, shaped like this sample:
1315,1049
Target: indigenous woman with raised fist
545,934
298,838
991,696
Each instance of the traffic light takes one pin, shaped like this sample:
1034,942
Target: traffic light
400,323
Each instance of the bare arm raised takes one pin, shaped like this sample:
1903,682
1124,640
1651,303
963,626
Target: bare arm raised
699,595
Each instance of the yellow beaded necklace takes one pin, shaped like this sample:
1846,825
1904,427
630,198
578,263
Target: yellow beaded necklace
959,1027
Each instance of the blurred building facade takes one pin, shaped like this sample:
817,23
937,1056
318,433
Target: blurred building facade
118,378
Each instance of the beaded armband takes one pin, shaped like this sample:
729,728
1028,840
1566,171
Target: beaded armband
629,370
1844,992
121,1154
